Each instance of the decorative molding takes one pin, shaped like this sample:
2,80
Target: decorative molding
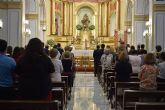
10,5
141,17
128,23
159,7
31,16
43,22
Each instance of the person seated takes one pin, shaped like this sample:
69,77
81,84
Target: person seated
123,68
161,66
148,73
56,76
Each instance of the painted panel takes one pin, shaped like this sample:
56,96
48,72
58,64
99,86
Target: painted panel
139,29
4,30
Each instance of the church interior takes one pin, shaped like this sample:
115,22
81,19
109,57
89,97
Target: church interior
83,24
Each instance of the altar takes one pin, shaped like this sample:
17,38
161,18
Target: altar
79,53
84,60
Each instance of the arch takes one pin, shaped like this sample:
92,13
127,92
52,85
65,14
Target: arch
86,4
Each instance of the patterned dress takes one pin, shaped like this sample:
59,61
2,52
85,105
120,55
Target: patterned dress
147,76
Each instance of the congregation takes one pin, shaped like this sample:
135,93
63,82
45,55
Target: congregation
29,73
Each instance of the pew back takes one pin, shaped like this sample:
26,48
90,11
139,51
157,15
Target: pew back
149,106
28,105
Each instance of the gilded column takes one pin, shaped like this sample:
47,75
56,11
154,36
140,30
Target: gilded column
118,16
53,17
102,19
65,19
105,19
71,19
99,19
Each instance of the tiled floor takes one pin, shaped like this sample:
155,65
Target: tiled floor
87,94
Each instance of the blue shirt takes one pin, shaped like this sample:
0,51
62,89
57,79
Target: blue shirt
7,66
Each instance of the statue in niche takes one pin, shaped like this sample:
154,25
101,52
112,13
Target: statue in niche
56,26
85,21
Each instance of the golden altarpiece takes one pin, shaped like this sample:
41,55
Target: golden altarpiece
84,24
92,16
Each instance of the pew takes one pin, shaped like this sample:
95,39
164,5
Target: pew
28,105
149,106
130,97
63,86
123,86
68,89
58,94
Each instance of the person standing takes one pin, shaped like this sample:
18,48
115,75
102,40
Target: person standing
161,66
123,68
148,73
33,69
95,56
56,76
7,66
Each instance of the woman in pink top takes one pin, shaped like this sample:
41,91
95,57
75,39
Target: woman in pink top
148,73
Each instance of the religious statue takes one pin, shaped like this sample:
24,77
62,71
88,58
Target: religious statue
85,21
56,26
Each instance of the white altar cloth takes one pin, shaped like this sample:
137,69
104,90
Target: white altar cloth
78,53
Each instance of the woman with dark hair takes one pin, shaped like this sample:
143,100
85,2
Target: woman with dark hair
34,70
16,54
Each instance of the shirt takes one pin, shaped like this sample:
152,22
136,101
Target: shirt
7,66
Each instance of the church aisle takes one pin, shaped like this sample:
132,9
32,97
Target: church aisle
87,94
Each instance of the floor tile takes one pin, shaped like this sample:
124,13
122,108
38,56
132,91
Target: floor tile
87,94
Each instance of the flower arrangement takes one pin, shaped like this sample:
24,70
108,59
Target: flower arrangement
79,27
92,27
51,42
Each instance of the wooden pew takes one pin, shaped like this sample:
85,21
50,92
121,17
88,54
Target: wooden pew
65,78
149,106
130,97
123,86
58,94
63,86
28,105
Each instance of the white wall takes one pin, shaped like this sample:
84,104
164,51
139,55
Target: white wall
11,31
160,29
141,9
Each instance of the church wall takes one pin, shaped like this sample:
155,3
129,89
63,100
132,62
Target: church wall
141,15
11,13
159,24
160,29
